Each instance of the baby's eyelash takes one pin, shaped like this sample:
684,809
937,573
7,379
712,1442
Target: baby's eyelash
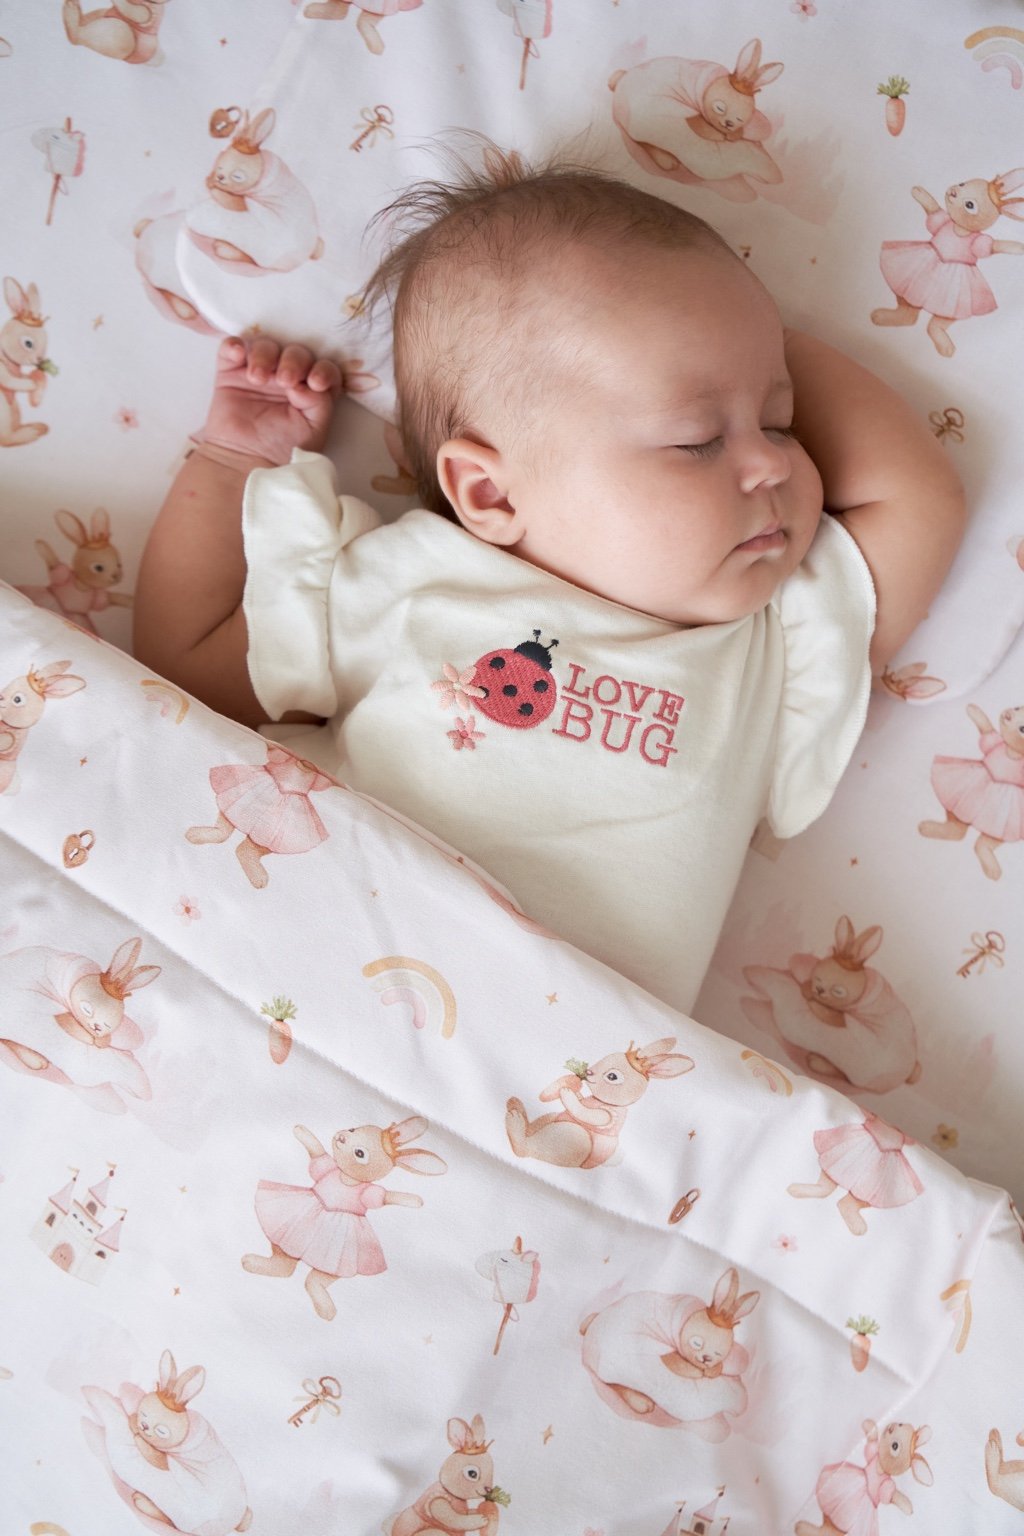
702,450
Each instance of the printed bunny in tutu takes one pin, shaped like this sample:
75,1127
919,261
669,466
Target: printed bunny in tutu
22,703
270,805
595,1100
940,275
258,215
849,1496
24,364
325,1226
83,587
370,13
985,793
866,1160
126,30
672,1360
167,1462
89,1042
836,1017
695,121
464,1497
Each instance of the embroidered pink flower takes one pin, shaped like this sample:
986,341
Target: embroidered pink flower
188,909
465,734
457,688
804,9
126,418
785,1243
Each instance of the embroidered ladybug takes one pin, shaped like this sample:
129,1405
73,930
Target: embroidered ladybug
518,687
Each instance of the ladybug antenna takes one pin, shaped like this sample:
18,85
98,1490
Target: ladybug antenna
536,651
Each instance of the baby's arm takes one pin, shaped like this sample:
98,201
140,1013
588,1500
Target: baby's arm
189,624
886,477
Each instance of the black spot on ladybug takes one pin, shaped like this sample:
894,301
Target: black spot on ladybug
527,670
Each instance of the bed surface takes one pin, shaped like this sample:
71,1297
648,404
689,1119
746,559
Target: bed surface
110,220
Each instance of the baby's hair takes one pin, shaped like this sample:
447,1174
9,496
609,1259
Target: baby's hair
461,270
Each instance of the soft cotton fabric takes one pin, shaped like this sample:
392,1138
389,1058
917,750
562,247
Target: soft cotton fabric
607,766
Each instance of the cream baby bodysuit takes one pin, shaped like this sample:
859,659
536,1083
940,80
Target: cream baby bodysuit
608,767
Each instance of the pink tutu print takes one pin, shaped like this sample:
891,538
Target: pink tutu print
849,1495
988,793
270,804
325,1227
940,275
868,1161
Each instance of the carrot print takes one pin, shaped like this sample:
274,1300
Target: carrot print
280,1011
860,1344
895,88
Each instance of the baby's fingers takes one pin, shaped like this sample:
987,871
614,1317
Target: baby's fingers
263,355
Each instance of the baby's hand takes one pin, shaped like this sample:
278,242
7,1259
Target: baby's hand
268,400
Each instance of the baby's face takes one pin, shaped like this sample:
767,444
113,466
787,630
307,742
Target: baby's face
666,480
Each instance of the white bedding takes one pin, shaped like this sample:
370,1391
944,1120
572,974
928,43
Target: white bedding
108,215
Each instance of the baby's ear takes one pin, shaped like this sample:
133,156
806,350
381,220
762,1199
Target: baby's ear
473,478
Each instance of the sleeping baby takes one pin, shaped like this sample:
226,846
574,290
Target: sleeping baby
620,631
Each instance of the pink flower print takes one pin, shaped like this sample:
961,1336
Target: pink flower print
465,734
126,418
784,1243
457,688
804,9
188,909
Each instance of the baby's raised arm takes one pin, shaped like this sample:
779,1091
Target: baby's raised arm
887,479
189,624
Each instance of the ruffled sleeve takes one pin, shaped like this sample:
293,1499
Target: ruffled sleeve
827,613
294,526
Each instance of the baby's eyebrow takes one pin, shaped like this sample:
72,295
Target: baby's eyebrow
714,394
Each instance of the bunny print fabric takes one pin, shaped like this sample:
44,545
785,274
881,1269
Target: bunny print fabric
175,173
311,1226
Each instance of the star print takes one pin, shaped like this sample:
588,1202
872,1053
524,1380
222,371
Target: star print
183,1189
97,322
177,1290
428,1338
691,1135
82,762
552,997
863,765
375,893
223,41
854,862
460,69
547,1434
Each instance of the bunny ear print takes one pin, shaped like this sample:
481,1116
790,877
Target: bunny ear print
17,303
261,126
746,1303
669,1066
844,934
459,1433
33,298
766,74
748,59
408,1130
191,1383
414,1160
1013,207
52,684
922,1472
136,980
479,1432
168,1371
658,1047
125,957
725,1291
867,942
99,524
72,526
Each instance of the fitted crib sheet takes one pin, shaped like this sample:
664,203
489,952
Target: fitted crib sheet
109,240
